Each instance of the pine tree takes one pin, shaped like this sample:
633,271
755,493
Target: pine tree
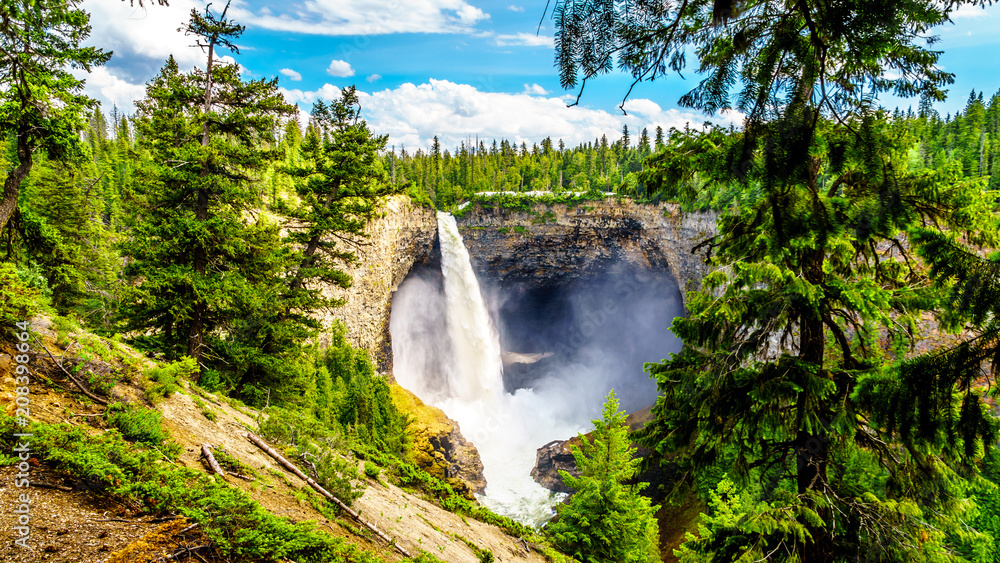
606,519
40,100
791,360
339,187
199,260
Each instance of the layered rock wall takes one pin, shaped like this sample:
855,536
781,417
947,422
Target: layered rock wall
559,243
402,238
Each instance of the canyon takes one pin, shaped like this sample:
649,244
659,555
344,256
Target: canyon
581,294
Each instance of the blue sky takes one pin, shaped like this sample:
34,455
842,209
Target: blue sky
453,68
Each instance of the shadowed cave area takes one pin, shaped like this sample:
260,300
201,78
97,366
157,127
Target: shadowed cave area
593,332
599,329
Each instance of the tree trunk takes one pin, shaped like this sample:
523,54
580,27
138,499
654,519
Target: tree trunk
812,448
12,185
196,336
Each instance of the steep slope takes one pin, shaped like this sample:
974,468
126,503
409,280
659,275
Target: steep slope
72,522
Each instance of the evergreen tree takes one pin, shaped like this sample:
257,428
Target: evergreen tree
199,260
40,100
785,372
606,519
339,188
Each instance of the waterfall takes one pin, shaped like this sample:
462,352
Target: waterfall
478,372
596,335
463,376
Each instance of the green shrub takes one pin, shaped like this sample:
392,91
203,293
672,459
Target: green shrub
33,277
65,326
210,380
233,464
326,449
18,302
137,424
164,379
372,470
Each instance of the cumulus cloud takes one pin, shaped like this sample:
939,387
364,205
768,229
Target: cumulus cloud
340,68
373,77
111,90
295,96
291,74
515,8
535,89
413,114
642,106
366,17
143,37
524,40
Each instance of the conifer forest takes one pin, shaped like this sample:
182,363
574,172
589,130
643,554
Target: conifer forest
236,326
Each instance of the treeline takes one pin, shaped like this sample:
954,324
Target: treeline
970,139
449,176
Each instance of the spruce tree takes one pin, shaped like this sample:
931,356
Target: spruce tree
201,255
340,186
606,520
41,103
792,372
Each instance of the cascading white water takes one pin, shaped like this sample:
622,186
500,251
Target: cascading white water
506,428
478,377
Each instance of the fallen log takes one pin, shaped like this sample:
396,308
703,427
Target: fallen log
298,473
207,453
79,385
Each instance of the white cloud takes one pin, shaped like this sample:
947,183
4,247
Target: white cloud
295,96
111,90
534,89
144,36
642,106
291,74
515,8
373,77
413,114
524,39
367,17
340,68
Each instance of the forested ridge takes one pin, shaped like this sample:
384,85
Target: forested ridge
202,229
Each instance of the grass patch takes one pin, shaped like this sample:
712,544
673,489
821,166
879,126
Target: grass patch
206,411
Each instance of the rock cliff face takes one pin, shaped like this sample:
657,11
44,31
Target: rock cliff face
555,245
439,447
544,246
399,240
